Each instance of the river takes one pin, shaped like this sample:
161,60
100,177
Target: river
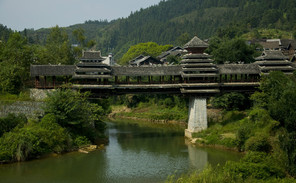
134,154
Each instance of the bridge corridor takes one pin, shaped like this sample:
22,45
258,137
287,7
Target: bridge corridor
197,77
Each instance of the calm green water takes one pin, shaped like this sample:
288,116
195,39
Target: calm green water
134,154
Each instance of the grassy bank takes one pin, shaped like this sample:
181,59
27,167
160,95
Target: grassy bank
22,96
253,132
164,127
150,112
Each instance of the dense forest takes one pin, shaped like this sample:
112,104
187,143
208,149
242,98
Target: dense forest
166,22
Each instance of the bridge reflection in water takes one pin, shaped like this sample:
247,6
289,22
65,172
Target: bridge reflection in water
197,76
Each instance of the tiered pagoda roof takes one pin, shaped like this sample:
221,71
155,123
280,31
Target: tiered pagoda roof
274,61
197,65
91,67
91,56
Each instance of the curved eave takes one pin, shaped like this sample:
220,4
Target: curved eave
199,75
105,70
199,69
196,56
197,61
198,65
200,91
91,76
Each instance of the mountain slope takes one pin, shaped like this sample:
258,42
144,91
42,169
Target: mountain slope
165,22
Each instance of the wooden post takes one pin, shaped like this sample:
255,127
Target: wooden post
37,79
45,82
128,79
67,79
116,79
53,81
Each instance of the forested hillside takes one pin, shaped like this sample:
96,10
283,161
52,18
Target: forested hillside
4,32
166,22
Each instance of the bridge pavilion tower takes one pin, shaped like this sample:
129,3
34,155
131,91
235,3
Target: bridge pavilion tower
92,69
200,76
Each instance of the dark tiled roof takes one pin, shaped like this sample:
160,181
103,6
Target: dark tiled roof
92,55
270,45
52,70
272,55
286,42
239,69
196,43
147,71
140,59
173,51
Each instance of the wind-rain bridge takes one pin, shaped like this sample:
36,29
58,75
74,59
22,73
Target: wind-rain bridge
197,76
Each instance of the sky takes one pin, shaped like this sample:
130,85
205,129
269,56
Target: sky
36,14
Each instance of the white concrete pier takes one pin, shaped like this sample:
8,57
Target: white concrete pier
197,120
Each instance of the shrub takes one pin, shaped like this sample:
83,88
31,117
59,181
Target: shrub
257,165
36,138
259,142
74,112
242,135
231,101
81,141
232,116
168,102
10,122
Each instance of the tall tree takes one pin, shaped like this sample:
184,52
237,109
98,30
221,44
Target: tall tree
233,51
57,49
79,36
149,48
15,59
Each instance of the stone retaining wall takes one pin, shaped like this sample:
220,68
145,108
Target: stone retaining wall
29,108
39,94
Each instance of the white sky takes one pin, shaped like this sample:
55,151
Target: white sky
21,14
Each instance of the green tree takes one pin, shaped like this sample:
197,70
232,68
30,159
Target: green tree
11,80
15,59
34,139
175,60
57,49
278,95
233,51
231,101
73,112
149,48
79,36
183,39
81,39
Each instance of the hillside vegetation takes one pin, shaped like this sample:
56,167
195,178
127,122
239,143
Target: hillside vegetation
165,22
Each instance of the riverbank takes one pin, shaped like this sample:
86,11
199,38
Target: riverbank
159,114
69,121
253,133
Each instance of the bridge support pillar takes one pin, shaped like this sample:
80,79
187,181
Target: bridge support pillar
197,116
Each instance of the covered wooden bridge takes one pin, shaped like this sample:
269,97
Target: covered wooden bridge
197,76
